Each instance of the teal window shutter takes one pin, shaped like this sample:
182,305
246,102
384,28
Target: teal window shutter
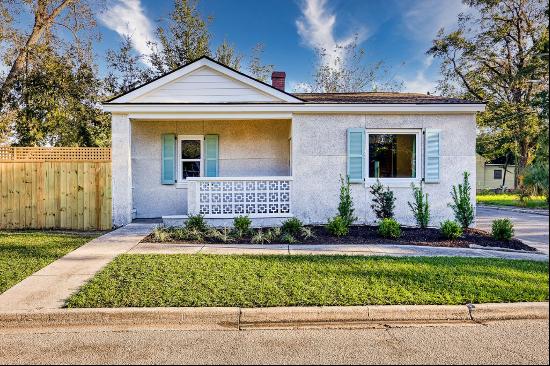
212,155
431,159
168,175
356,155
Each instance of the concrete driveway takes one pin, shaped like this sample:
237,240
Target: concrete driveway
531,228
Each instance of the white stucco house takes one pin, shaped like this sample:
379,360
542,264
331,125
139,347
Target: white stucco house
208,139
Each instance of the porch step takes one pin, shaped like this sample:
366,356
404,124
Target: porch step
179,220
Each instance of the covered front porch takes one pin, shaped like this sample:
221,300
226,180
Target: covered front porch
221,169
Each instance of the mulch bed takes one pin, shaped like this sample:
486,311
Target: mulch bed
364,234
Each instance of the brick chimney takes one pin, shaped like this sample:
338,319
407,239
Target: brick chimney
278,80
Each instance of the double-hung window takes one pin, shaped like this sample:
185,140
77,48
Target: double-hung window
190,157
394,155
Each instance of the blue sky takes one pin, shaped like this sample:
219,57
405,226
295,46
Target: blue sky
396,31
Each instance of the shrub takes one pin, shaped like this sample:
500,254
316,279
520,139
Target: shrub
337,226
196,222
288,238
383,201
223,235
307,233
536,179
420,207
195,234
160,234
462,204
389,228
502,229
345,208
242,224
275,233
260,237
179,233
450,230
292,226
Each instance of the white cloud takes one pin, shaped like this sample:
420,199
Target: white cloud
316,28
128,18
425,17
421,83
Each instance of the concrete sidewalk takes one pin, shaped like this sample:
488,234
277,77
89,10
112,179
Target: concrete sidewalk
330,249
52,285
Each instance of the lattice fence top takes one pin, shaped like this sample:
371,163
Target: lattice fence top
55,154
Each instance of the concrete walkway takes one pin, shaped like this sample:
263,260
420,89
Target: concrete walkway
49,287
301,249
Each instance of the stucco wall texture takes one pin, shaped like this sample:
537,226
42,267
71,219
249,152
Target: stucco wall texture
319,158
246,148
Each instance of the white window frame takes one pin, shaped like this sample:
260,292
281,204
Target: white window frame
395,182
180,181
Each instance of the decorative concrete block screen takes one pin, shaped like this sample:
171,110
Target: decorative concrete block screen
231,197
62,188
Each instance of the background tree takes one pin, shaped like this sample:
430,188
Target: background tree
494,56
256,67
349,72
51,92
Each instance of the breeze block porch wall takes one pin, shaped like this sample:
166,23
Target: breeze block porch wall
247,148
319,158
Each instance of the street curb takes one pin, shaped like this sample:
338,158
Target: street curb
541,212
234,318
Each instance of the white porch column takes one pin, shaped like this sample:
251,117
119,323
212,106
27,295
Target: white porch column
121,169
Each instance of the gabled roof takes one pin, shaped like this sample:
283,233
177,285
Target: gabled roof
265,92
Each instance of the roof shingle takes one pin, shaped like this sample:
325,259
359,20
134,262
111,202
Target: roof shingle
379,98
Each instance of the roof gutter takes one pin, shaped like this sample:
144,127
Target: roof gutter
126,108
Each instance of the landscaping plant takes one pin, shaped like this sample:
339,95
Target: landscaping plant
196,222
420,206
502,229
179,233
292,226
337,226
260,237
288,238
242,225
389,228
450,230
345,208
160,234
383,201
462,203
224,235
307,233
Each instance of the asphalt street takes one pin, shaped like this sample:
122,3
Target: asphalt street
509,342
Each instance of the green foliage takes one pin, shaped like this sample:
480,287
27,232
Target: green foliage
420,207
178,233
383,201
499,54
224,235
307,233
194,234
502,229
389,228
345,208
288,238
261,237
196,222
537,180
292,226
312,280
242,224
450,230
337,226
462,204
160,234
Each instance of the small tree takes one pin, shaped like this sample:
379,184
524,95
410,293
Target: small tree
420,206
383,201
345,208
462,204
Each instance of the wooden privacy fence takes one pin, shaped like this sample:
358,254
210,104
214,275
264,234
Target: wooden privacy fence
65,188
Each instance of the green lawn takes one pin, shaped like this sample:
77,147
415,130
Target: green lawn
23,253
262,281
512,200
